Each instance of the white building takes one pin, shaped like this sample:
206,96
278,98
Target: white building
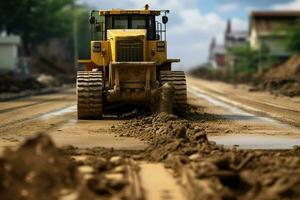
216,54
9,53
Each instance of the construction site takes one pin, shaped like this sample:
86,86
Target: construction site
95,104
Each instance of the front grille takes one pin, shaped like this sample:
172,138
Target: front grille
130,51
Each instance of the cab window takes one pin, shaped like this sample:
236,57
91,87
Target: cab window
120,22
138,22
132,22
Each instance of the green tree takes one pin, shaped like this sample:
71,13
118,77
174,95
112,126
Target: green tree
246,59
83,32
36,21
293,37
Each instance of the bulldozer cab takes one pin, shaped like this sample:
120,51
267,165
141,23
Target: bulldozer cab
102,21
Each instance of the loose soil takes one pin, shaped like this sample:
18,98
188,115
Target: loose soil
204,169
211,171
39,170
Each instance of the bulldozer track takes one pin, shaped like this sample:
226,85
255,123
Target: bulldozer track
89,95
177,78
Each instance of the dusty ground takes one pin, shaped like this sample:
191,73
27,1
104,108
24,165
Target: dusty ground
125,159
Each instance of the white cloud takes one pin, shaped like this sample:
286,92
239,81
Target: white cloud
193,21
228,7
239,25
293,5
249,9
189,29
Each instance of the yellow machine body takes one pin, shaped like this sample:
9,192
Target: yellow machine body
126,62
153,50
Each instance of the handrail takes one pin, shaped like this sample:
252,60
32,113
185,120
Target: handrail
160,30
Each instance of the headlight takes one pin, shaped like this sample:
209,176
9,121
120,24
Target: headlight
161,46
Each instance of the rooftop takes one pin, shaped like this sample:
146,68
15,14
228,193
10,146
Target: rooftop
145,11
218,49
10,40
266,22
285,13
238,35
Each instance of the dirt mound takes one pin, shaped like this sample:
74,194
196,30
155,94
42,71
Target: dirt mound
283,79
37,168
166,134
12,83
48,80
290,68
287,87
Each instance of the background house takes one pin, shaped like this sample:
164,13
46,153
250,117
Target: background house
267,29
233,39
216,55
9,53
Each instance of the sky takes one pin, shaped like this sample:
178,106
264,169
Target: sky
193,23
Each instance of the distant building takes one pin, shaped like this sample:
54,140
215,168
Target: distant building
9,53
233,39
216,54
265,30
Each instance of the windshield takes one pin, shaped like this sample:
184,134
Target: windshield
138,22
132,22
120,22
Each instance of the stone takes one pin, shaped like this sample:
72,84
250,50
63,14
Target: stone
116,160
180,132
194,157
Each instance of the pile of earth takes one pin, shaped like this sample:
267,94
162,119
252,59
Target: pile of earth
13,83
16,83
290,68
35,169
212,171
38,170
280,86
164,133
283,79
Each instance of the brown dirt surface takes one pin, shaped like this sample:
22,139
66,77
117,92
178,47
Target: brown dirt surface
203,168
211,171
35,169
39,170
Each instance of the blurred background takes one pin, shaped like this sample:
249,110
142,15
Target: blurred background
41,40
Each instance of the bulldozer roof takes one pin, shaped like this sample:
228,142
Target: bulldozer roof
129,12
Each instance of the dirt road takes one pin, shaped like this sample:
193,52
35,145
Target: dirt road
229,115
255,120
56,115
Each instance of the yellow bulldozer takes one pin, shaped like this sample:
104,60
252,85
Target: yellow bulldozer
128,62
